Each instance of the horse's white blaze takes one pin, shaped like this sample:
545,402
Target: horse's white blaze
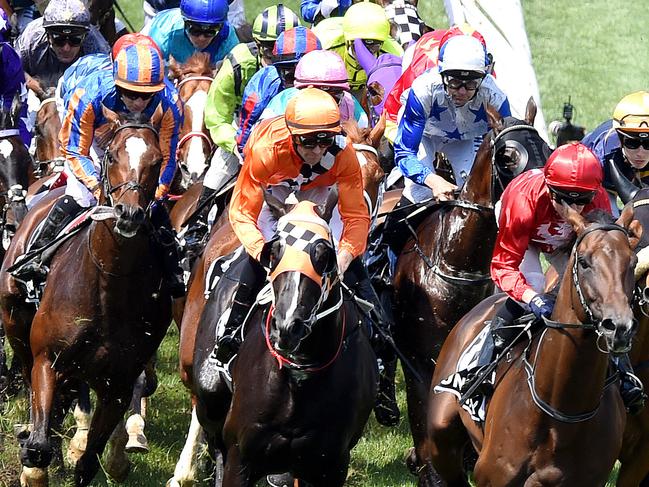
135,148
6,148
196,159
295,300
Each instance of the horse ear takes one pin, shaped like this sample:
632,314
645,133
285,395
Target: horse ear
325,211
495,119
174,69
377,132
573,217
633,226
277,208
530,111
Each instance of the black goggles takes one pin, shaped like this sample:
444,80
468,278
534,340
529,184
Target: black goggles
457,83
336,93
634,142
135,95
323,140
369,43
202,30
580,198
60,40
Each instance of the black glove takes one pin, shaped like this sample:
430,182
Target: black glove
542,305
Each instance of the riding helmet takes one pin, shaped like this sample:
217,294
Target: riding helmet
366,20
140,68
294,43
632,113
573,166
312,110
464,55
274,20
67,16
204,11
321,68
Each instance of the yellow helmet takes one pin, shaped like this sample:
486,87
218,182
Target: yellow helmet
366,20
632,113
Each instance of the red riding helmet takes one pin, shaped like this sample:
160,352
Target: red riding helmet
573,166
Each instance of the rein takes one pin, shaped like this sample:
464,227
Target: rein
194,78
194,133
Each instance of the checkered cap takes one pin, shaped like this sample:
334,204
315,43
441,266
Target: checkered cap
406,17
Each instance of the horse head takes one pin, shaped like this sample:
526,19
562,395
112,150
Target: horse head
46,132
15,167
193,80
302,262
600,281
130,170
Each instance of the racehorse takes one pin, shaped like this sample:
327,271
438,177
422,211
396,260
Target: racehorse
16,173
222,241
195,147
556,417
107,313
46,132
305,377
443,272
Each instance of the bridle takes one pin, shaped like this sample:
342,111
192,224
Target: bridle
56,162
194,133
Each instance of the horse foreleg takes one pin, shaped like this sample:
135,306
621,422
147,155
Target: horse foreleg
82,419
36,451
117,463
185,471
236,473
108,413
137,442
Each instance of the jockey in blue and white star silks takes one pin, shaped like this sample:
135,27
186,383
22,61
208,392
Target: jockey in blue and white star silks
446,111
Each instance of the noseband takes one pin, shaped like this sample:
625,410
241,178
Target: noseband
130,185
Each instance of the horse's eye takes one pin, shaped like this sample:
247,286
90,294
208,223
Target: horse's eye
583,262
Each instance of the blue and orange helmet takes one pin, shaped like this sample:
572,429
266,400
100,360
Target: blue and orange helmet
139,67
294,43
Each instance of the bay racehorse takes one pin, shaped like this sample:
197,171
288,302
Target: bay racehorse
221,242
443,272
46,133
195,147
107,313
305,378
16,173
556,417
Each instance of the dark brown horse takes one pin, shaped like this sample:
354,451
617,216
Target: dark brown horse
195,147
556,417
222,241
107,313
305,377
442,274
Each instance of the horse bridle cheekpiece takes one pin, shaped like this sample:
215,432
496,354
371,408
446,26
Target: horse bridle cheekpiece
130,185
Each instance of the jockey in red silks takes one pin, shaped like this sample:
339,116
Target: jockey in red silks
530,224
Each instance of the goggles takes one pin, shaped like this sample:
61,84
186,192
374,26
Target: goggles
468,84
202,30
634,142
60,40
324,140
135,95
581,198
336,93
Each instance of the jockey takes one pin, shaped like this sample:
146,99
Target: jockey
326,71
13,84
366,21
197,26
302,152
236,11
135,85
446,112
314,11
405,19
530,225
49,45
624,142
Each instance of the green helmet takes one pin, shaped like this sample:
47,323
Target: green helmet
272,22
366,20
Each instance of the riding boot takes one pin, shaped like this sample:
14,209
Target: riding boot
251,279
171,270
195,233
62,213
631,388
386,409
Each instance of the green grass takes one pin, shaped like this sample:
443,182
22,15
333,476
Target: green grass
593,51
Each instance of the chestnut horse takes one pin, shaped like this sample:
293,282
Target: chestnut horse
107,313
444,272
195,147
222,241
556,417
305,378
46,133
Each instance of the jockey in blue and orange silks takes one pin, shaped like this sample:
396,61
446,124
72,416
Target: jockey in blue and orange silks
135,85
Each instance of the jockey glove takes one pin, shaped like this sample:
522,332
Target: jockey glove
542,305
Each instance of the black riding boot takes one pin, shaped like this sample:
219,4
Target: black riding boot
172,272
62,213
631,388
386,409
251,279
198,228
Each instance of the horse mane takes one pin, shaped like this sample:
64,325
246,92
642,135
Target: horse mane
355,133
599,216
198,64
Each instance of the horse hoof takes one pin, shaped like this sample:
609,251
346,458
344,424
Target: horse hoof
77,446
172,482
32,456
33,477
411,461
137,442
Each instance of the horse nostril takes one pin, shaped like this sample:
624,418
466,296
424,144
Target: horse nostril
138,216
608,324
645,293
119,210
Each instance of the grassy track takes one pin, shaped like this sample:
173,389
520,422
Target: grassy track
593,50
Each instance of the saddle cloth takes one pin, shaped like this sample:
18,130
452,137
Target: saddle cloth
476,405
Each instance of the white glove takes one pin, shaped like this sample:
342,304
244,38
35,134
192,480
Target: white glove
328,6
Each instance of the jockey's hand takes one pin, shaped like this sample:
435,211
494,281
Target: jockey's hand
344,258
442,189
542,305
161,191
